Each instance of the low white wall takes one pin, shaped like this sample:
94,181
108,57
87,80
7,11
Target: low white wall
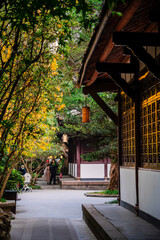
149,192
92,170
72,169
75,170
127,185
108,170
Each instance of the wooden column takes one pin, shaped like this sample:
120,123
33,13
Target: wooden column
105,168
78,159
75,154
137,140
119,142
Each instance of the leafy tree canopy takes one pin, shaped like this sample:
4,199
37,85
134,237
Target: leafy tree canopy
41,47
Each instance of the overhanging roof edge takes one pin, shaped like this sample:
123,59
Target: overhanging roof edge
97,36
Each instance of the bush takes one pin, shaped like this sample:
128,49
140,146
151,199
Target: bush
2,200
39,175
34,186
14,180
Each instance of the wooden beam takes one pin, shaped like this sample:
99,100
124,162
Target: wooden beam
93,78
136,38
105,107
138,50
154,14
101,86
147,59
127,51
117,67
126,17
123,85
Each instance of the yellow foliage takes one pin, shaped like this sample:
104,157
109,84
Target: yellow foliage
6,53
60,107
54,65
58,88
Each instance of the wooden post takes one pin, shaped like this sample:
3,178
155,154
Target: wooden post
78,159
137,140
105,168
119,143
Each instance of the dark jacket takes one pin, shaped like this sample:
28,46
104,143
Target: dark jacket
53,168
23,171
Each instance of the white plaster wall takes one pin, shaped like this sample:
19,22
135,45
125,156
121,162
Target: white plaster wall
149,192
92,170
108,170
71,172
75,170
71,169
127,185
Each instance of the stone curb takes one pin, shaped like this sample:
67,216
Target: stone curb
100,195
99,225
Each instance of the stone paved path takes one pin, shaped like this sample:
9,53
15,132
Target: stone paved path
36,229
52,213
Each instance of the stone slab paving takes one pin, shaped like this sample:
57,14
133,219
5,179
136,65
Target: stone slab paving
131,226
52,213
35,229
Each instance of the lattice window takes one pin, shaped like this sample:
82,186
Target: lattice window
149,121
128,131
150,124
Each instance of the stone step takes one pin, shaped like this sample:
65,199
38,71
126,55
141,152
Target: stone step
83,185
102,229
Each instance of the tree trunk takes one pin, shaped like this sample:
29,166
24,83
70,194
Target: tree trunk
25,164
35,178
5,181
113,183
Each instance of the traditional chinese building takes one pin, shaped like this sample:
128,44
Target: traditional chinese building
123,56
86,170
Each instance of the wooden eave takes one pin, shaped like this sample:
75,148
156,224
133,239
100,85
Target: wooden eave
135,18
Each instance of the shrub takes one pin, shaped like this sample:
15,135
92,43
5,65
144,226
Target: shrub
14,180
2,200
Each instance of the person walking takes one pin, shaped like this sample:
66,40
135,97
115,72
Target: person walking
47,174
53,171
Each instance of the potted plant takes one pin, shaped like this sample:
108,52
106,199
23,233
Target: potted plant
12,186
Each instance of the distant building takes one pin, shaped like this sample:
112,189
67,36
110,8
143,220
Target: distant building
86,170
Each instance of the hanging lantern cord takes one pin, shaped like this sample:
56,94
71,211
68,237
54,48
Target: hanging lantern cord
85,100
